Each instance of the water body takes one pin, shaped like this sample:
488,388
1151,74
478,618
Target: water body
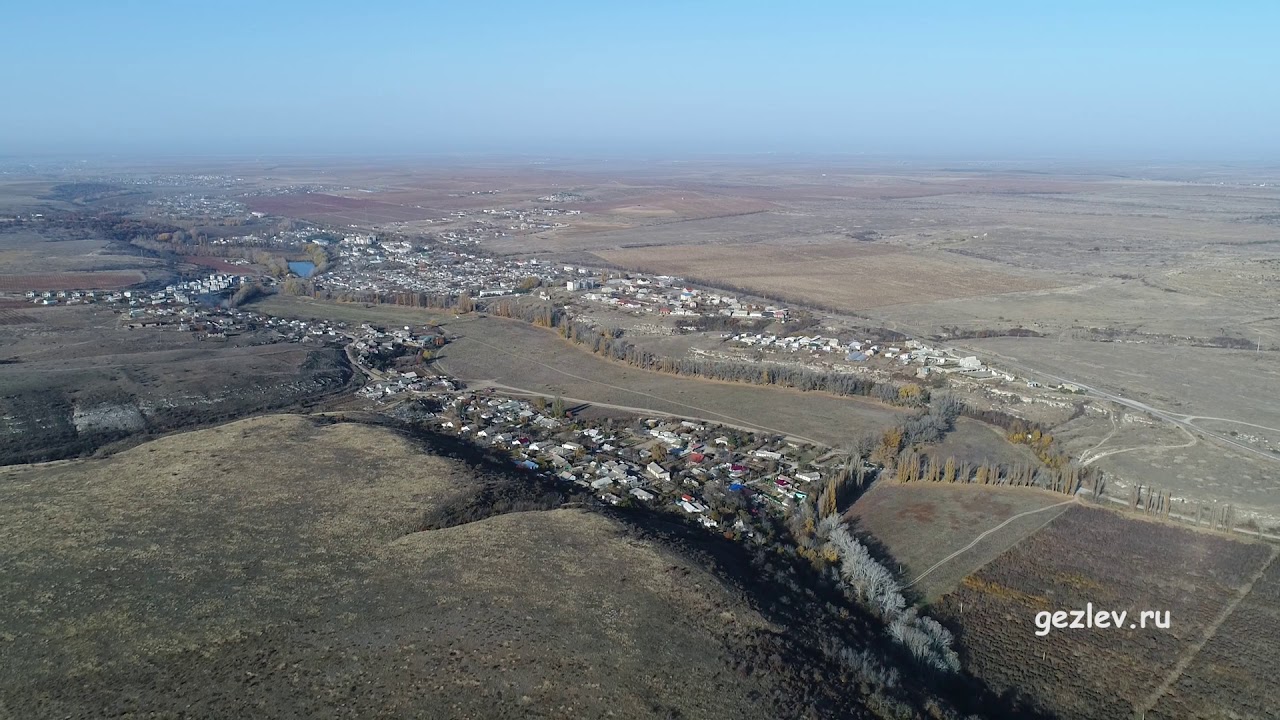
302,268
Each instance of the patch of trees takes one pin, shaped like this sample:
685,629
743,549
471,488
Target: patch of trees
913,466
725,323
319,256
247,293
876,587
276,266
958,334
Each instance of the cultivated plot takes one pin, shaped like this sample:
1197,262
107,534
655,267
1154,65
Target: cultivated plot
1111,562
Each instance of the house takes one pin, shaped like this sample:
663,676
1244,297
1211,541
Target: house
657,471
640,494
808,477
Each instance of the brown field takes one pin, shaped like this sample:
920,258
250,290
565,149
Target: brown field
218,264
683,204
1115,562
14,317
1239,656
849,276
897,187
70,281
920,524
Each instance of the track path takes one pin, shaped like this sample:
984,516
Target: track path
1141,710
979,539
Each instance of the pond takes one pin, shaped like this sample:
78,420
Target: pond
302,268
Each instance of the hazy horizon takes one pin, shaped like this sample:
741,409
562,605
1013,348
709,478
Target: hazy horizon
1001,82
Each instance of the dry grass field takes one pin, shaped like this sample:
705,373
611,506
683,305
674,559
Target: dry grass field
921,524
849,276
1226,391
270,568
70,281
336,209
513,354
1116,562
286,306
976,442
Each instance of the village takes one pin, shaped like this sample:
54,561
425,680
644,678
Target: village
720,477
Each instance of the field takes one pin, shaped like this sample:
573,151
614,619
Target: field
1115,562
324,208
273,567
976,442
512,354
76,381
1226,391
70,281
45,249
922,524
9,316
218,264
285,306
1240,656
848,276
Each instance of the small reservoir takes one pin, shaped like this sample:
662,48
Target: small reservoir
302,268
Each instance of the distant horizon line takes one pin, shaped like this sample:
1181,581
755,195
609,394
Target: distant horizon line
535,157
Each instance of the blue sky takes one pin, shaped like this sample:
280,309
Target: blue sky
977,79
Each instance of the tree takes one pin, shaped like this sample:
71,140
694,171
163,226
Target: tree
557,407
246,293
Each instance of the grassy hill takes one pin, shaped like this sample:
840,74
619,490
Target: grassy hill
274,567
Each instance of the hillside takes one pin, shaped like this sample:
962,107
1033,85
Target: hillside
276,567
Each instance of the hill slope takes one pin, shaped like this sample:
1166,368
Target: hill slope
274,567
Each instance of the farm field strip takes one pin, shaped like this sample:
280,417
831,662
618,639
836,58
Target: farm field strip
1194,652
1240,655
921,524
1126,563
983,536
837,275
89,280
572,371
719,417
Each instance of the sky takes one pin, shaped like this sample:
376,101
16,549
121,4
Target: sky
1170,80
